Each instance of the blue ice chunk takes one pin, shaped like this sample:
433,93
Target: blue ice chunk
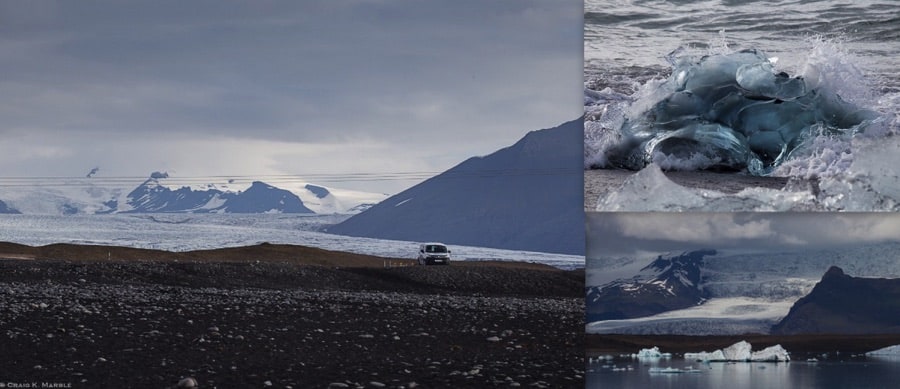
760,80
735,110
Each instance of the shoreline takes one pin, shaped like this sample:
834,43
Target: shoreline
601,181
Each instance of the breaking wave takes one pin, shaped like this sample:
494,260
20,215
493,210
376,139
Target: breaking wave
737,111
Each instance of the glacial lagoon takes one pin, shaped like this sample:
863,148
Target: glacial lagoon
676,372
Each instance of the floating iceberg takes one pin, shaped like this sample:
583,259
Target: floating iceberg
731,111
742,352
672,370
890,352
651,353
774,353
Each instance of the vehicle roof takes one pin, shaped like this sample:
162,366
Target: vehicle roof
433,244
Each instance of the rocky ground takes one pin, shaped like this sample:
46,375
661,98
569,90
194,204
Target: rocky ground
262,322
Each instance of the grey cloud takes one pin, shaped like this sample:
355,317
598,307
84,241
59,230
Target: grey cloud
623,234
471,75
289,71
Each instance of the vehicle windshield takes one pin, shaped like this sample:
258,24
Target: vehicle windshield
435,249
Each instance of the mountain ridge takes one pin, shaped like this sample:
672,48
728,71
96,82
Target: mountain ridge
843,304
527,196
666,284
93,196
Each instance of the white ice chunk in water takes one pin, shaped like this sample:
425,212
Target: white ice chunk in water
739,351
672,370
774,353
890,352
706,356
742,352
651,353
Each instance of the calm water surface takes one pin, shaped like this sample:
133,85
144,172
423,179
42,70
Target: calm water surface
852,373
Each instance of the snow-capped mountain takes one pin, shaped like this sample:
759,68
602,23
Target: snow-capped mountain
152,197
154,194
841,304
528,196
665,284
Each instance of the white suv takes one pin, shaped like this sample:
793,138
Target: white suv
433,253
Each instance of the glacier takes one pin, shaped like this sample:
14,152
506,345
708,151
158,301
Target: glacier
732,111
186,232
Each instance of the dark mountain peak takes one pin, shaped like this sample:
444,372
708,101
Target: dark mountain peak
258,198
261,198
834,272
667,283
259,185
685,266
7,209
840,303
320,192
528,196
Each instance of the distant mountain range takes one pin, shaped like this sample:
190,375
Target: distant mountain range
258,198
84,196
528,196
838,303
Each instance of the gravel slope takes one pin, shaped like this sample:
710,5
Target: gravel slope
281,324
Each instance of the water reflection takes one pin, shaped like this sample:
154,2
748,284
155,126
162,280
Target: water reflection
636,373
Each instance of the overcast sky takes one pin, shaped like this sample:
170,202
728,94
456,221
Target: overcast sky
612,235
200,88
